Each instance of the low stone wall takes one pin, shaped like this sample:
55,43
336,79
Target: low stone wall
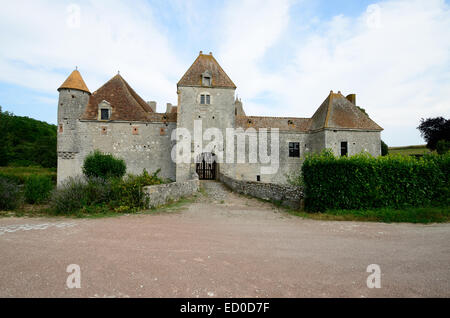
161,194
287,195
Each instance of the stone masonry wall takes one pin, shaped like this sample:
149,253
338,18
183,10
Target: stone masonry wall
288,195
161,194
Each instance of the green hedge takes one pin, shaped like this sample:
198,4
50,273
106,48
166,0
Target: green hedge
364,182
100,165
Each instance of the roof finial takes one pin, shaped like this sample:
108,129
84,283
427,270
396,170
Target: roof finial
118,72
76,68
201,52
210,53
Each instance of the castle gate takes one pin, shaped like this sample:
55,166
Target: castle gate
206,166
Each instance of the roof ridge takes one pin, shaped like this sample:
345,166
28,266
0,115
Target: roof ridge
328,109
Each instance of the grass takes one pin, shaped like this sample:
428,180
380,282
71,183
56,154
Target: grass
406,215
96,212
22,173
409,150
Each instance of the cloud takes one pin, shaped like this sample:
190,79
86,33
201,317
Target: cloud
395,56
111,35
283,55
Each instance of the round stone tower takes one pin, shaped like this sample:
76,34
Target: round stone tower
73,99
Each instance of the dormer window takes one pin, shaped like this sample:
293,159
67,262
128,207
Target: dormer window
104,114
104,110
205,99
206,79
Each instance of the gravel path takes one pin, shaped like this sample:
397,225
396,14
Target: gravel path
222,245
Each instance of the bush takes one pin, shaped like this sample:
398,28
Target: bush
384,149
363,182
443,146
90,195
37,188
129,191
10,195
101,165
69,196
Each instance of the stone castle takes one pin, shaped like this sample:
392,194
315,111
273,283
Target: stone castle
115,119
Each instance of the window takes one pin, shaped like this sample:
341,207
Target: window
205,99
294,149
206,78
104,114
206,81
344,148
258,178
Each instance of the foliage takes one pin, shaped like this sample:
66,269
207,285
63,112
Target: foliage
388,215
85,195
384,149
69,196
26,140
21,174
433,130
443,146
364,182
10,195
37,188
130,189
100,165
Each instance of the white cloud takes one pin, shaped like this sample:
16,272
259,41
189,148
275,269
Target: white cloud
111,36
399,66
395,56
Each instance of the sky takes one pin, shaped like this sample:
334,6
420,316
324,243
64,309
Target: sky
283,55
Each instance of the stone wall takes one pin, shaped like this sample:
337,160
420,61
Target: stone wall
287,195
161,194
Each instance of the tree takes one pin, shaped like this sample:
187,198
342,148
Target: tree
433,130
384,149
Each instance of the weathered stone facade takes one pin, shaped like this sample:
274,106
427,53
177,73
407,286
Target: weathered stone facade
114,119
164,193
286,195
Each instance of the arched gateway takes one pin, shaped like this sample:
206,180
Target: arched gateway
206,166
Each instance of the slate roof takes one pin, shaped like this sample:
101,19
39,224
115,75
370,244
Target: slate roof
203,63
75,81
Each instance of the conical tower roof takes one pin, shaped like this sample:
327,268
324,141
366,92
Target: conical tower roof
75,81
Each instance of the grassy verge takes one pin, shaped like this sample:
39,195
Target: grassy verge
407,215
96,212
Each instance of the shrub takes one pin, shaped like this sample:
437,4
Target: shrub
69,196
384,149
101,165
10,195
443,146
129,191
91,195
37,188
362,182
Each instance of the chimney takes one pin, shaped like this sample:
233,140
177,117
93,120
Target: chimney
352,98
169,108
152,106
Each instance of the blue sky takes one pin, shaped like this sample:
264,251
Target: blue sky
284,55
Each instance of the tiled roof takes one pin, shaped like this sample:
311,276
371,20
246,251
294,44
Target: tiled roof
75,81
125,103
203,63
282,123
338,112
